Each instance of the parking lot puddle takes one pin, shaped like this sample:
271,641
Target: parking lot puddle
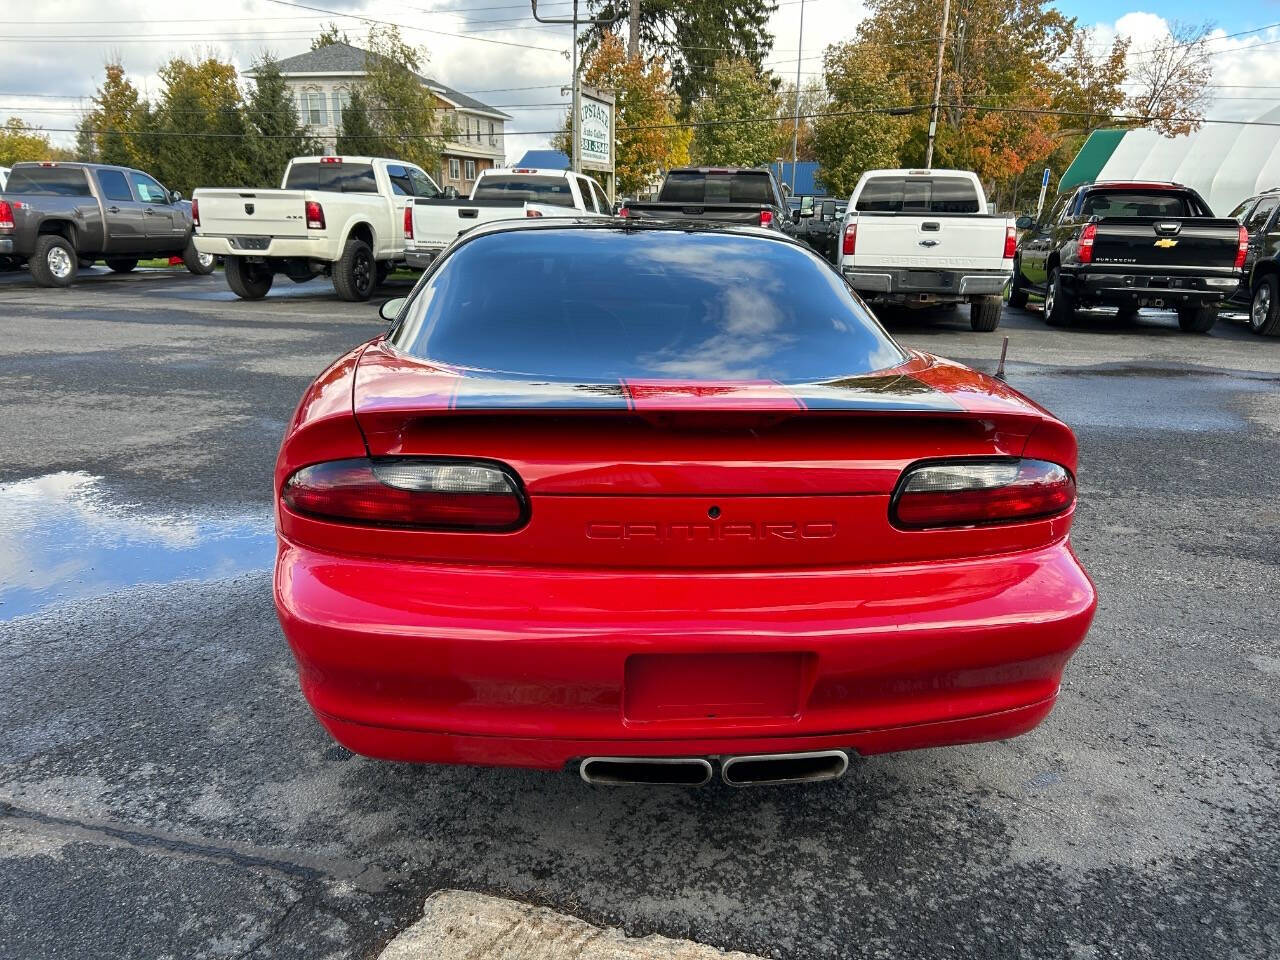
61,537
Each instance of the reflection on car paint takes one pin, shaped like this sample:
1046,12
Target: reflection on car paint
62,538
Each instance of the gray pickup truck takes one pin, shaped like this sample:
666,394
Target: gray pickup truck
55,216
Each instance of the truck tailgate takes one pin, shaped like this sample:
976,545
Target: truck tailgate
252,213
746,214
1174,242
437,221
940,242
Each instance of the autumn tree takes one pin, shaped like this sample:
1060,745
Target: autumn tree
1171,80
813,101
328,36
848,140
1091,83
693,35
117,121
401,107
20,142
736,124
197,130
648,141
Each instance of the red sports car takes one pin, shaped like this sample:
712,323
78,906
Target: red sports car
653,502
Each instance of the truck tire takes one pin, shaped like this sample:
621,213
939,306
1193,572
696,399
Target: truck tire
1197,319
201,264
1017,295
1059,305
355,273
984,313
248,281
1264,308
53,261
121,264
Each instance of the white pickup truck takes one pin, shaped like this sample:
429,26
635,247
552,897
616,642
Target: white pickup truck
501,193
337,216
919,238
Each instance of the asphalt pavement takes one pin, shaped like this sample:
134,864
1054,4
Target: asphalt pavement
164,790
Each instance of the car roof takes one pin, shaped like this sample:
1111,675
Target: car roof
1138,184
764,170
629,225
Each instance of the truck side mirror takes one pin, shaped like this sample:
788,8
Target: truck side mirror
450,193
175,196
1025,222
390,309
828,209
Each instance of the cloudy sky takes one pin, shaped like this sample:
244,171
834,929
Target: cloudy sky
494,50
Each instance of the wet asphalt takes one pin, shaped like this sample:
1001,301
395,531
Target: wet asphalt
164,790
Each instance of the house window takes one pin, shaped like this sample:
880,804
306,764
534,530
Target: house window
493,141
471,169
454,169
313,111
467,128
341,100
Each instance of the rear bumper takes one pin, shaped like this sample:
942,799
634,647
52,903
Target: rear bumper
906,284
536,667
419,258
1122,288
279,247
6,245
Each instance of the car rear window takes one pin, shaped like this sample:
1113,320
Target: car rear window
918,195
49,181
694,186
1138,203
335,177
552,190
595,305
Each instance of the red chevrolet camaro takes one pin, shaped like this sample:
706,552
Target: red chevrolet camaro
657,502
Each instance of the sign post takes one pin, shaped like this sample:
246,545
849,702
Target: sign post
1044,186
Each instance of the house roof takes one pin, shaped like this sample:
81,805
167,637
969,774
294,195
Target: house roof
344,58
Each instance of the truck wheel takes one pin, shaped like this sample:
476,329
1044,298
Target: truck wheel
1059,306
1264,311
121,264
248,281
1197,319
355,273
201,264
984,313
53,261
1017,295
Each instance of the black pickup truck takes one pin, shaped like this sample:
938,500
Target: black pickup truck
746,196
56,215
1130,245
1259,292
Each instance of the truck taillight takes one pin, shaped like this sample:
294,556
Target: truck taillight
408,222
6,215
1242,251
961,493
315,215
195,213
426,494
624,212
766,218
850,239
1010,241
1087,236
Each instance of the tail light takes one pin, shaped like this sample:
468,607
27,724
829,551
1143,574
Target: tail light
624,212
532,213
315,215
1087,236
850,239
766,218
408,222
426,494
967,493
195,213
6,215
1010,242
1242,251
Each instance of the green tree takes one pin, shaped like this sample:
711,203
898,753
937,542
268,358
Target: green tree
19,141
402,108
813,101
328,36
358,136
118,120
845,146
275,133
201,134
86,140
693,35
737,123
648,140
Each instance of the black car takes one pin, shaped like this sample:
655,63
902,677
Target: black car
1259,291
1130,245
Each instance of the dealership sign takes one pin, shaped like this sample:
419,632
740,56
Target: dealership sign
595,132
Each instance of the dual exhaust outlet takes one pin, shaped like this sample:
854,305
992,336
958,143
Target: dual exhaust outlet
745,771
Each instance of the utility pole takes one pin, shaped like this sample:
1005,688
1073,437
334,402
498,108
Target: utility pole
575,158
795,120
633,31
937,85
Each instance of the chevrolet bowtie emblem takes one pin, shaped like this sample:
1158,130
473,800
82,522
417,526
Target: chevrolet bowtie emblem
1166,243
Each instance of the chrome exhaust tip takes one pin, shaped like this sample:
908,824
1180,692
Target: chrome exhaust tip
768,768
648,771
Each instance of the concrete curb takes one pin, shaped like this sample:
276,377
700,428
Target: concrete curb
457,925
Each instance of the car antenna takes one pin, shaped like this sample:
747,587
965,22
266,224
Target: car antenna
1004,349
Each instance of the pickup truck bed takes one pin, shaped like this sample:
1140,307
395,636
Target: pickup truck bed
741,196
